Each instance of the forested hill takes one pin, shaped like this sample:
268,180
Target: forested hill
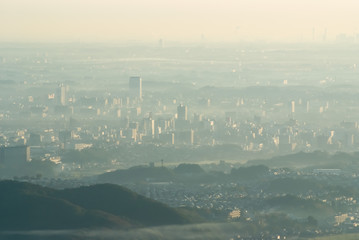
25,206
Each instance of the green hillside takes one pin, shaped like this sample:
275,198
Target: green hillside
25,206
122,202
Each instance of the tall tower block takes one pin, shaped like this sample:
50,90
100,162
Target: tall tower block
182,112
61,95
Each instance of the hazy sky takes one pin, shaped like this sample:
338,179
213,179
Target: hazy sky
180,20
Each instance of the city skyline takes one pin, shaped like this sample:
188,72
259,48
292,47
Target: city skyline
184,119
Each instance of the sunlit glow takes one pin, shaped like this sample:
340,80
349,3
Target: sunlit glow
142,20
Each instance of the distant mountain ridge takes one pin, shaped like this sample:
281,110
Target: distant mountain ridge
312,160
183,173
25,206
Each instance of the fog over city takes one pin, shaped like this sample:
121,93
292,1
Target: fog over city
179,120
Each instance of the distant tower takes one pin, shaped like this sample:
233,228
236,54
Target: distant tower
182,112
293,107
14,155
292,110
61,95
135,86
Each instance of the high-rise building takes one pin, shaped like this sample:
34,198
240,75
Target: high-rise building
14,155
61,95
135,87
182,112
292,107
149,126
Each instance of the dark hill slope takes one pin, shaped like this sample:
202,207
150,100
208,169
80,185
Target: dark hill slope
313,160
25,206
122,202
